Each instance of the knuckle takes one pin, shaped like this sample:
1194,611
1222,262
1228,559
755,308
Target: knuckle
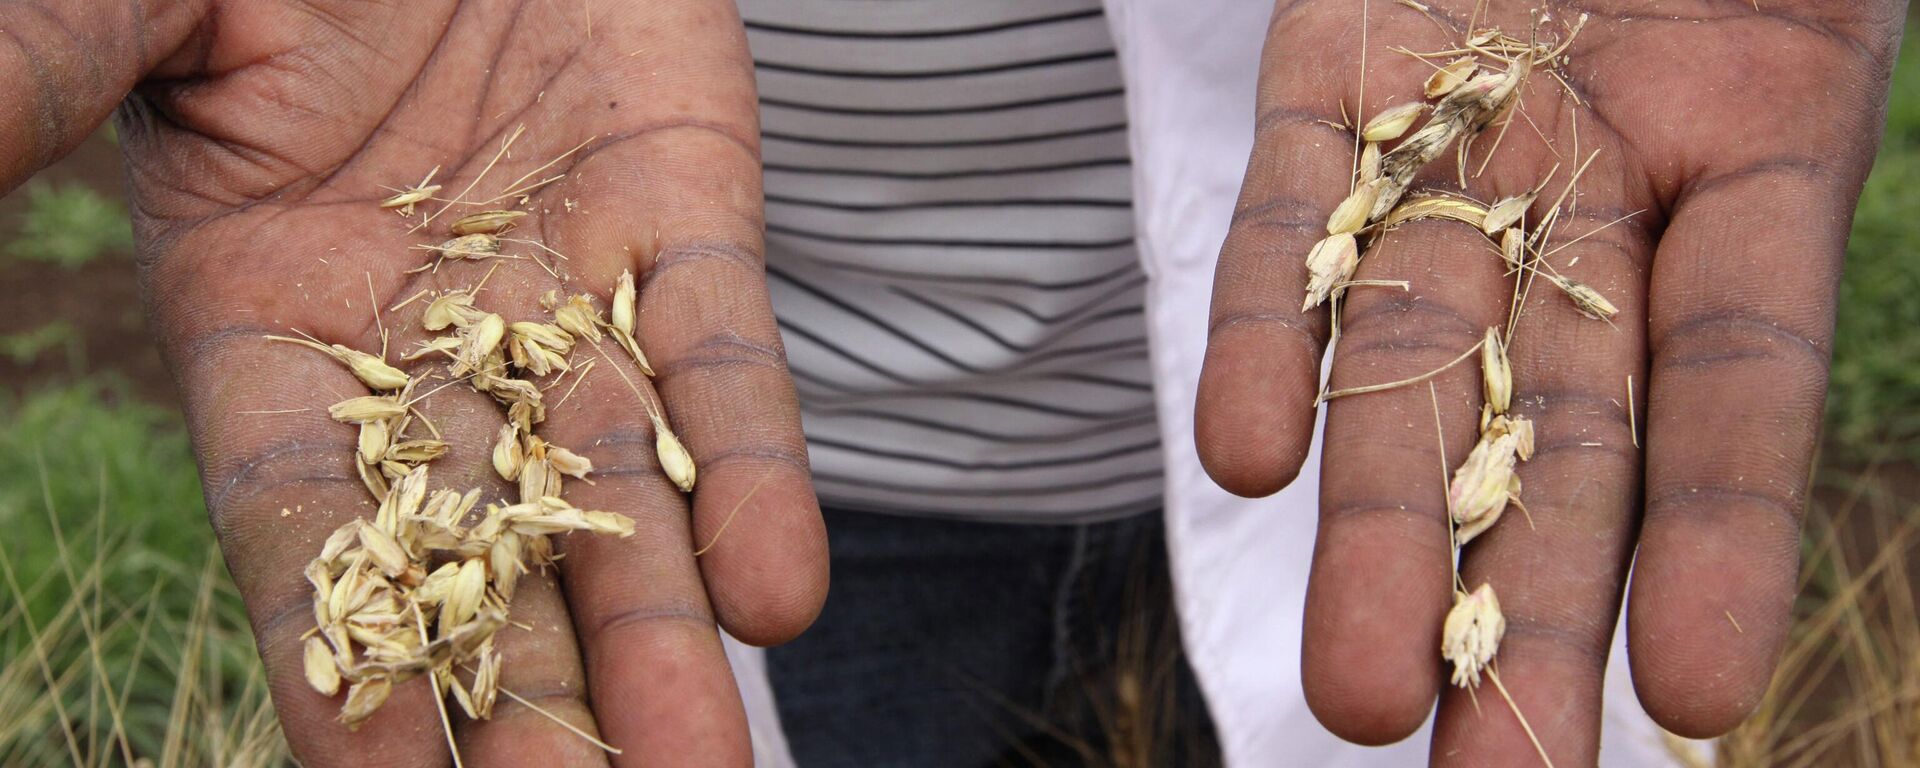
1793,168
1419,527
1273,212
726,350
1392,326
1579,421
548,695
1583,449
1286,117
1578,647
1716,504
1706,342
1304,329
648,616
714,254
776,454
33,40
624,452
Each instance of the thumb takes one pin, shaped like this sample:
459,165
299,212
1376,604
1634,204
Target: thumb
64,66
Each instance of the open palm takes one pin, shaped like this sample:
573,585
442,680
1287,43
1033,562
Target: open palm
259,140
1733,138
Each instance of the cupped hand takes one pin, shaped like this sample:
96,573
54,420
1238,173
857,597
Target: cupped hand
1732,139
260,138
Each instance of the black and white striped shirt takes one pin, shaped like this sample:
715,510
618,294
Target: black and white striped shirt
950,253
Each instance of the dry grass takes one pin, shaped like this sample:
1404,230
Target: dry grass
114,677
1848,688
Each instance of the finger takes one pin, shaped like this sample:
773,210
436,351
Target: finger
1740,330
1381,575
1254,411
658,675
681,196
1381,572
68,65
1558,567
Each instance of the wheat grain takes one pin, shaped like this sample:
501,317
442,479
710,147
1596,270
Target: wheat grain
1393,122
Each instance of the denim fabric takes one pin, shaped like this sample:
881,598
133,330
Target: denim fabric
968,644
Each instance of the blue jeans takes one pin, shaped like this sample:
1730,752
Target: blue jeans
969,644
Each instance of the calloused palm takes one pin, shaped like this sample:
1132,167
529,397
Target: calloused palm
1740,133
259,138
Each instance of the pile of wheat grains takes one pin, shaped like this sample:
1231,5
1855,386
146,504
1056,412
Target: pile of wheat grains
424,586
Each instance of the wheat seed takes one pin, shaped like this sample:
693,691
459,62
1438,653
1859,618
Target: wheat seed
453,308
674,459
624,297
1471,634
366,408
1393,122
1507,212
568,463
368,368
1496,372
363,698
578,317
1351,215
320,669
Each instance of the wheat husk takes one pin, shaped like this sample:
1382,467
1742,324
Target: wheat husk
485,222
1471,635
1331,262
1455,74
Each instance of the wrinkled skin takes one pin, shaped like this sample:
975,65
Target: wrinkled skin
1741,137
258,139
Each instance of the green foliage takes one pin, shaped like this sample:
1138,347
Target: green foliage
1875,397
27,347
70,225
96,447
110,585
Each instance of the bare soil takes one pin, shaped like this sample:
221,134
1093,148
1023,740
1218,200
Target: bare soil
101,300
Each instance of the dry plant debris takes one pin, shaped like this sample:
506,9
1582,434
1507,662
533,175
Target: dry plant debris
423,587
1475,86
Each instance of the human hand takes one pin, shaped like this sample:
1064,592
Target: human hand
1734,139
259,141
